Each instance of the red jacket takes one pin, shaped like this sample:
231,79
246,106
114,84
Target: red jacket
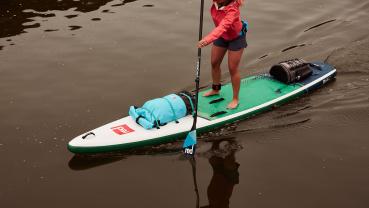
227,21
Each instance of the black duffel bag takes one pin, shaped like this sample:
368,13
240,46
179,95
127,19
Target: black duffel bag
291,71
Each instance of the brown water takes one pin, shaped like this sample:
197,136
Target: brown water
68,66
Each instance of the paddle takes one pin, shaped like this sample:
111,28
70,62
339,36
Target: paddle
189,144
193,165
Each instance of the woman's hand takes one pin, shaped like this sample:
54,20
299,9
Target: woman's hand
202,43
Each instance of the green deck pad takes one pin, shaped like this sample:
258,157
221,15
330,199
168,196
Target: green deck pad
254,91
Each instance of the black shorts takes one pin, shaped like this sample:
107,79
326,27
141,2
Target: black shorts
232,45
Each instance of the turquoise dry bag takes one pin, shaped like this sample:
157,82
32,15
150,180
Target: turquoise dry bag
160,111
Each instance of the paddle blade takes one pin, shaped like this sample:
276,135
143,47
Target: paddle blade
189,144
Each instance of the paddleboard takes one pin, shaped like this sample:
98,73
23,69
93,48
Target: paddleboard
257,94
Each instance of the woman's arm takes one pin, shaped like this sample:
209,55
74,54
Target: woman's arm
224,25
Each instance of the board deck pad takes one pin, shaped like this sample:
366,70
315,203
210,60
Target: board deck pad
254,91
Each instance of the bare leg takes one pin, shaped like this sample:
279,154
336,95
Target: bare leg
217,55
234,58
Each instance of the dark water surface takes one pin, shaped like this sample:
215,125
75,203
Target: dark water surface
68,66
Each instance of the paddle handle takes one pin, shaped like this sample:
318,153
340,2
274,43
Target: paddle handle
198,65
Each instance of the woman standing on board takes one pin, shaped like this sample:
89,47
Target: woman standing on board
229,35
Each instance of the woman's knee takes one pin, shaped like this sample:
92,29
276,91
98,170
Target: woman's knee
215,65
233,68
234,61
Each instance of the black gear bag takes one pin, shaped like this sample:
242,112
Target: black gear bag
291,71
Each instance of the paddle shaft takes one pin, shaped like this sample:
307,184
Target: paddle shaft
198,65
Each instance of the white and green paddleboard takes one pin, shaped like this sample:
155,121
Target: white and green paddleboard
257,94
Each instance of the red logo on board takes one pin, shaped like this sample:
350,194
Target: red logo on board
122,129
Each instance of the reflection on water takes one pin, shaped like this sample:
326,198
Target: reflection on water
320,24
88,161
221,157
123,3
57,86
17,15
225,173
74,27
84,162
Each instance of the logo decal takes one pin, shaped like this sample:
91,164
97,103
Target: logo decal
122,129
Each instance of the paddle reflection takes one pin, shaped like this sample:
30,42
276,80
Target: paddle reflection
225,173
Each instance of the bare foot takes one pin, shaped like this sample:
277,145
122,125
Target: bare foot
233,104
210,93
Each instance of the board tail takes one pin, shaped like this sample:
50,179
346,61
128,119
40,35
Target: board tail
189,145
